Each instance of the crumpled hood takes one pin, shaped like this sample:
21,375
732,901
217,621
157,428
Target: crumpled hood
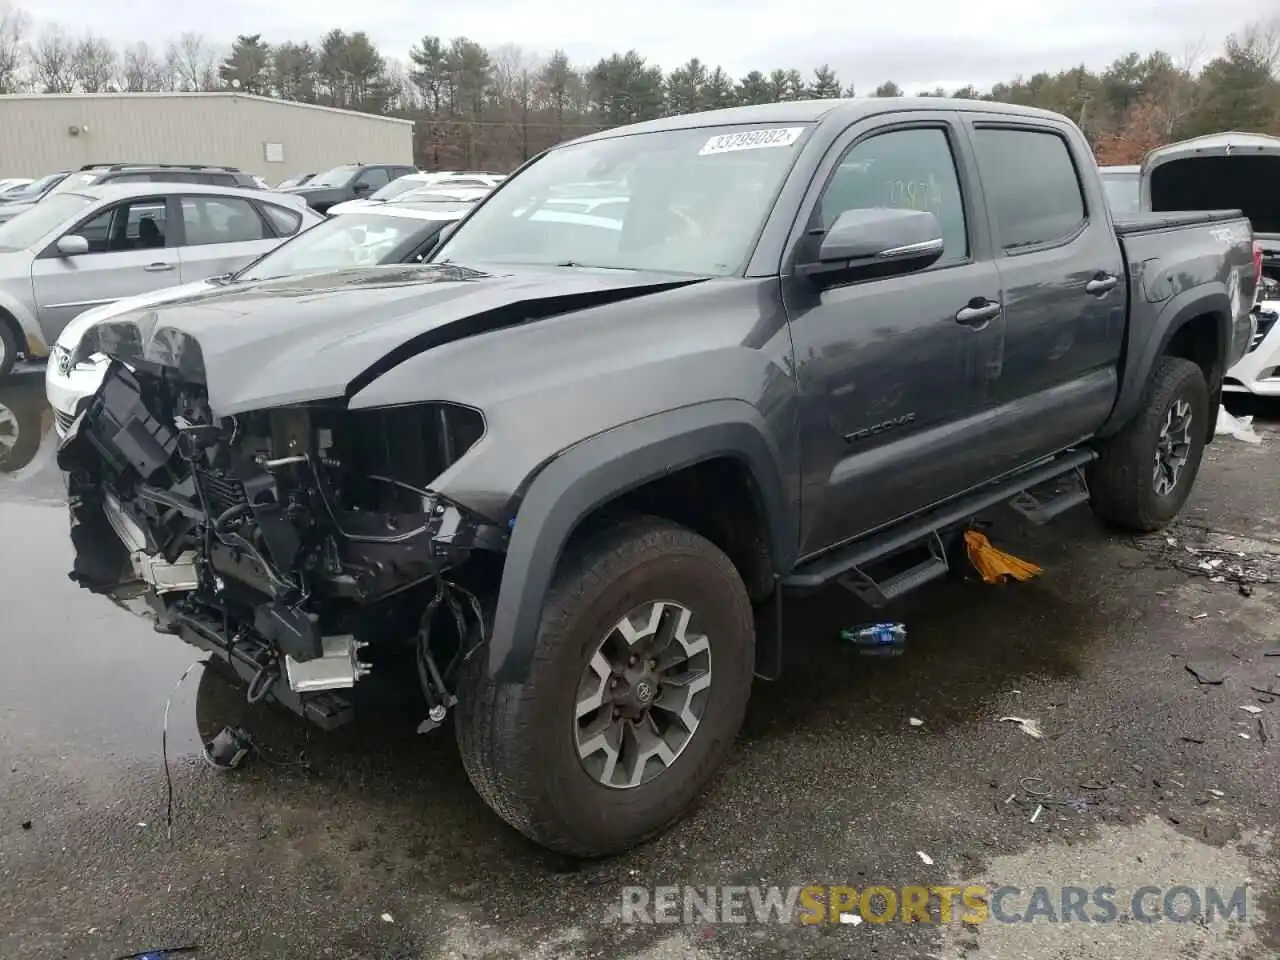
298,339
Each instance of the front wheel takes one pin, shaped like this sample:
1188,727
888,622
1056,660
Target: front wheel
639,684
8,349
1144,474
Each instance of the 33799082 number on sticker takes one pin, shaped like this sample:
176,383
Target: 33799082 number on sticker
751,140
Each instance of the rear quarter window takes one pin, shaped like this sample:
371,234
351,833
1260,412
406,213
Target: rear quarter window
1032,186
285,222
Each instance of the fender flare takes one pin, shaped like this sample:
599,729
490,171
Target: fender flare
597,470
1140,359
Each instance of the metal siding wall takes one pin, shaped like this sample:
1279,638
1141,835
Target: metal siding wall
34,136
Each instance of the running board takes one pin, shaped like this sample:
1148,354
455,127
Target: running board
849,564
1042,503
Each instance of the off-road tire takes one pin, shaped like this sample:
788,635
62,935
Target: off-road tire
517,740
8,348
1120,480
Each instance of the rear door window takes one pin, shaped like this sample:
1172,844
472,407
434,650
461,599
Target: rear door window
221,220
1032,186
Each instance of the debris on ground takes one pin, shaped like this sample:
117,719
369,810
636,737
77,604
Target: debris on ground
994,565
1036,816
1218,557
916,722
925,858
387,918
877,639
1239,427
164,953
1204,675
1251,709
1028,726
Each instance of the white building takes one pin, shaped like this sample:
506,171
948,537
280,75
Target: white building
44,133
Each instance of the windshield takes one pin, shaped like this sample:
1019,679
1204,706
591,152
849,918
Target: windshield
85,178
395,188
347,240
33,225
337,177
692,202
32,191
1121,190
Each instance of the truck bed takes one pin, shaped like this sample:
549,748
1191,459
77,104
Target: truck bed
1129,224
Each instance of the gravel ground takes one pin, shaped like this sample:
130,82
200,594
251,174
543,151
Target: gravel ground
376,847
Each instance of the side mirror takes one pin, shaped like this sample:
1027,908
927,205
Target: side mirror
72,245
361,188
877,242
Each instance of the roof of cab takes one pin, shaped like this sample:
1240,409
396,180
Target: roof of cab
841,111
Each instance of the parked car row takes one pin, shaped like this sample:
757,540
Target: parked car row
360,182
76,240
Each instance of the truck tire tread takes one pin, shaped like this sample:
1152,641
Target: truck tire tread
1120,482
499,735
9,346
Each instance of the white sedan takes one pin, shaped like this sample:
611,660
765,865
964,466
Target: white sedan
388,233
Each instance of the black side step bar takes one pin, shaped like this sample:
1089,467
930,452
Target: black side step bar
847,563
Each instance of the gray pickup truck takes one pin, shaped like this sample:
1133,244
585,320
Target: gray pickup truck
569,472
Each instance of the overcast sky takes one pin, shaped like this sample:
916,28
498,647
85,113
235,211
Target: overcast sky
917,44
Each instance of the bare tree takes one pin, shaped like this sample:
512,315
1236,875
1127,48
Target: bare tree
516,85
52,58
141,72
194,63
93,64
1262,42
13,28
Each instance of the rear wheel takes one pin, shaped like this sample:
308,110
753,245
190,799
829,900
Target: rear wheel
1144,473
639,683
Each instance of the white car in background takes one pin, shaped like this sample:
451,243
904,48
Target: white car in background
402,187
1258,371
13,183
388,233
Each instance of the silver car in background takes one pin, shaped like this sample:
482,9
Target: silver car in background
82,248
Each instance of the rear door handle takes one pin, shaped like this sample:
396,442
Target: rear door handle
1102,283
158,267
978,313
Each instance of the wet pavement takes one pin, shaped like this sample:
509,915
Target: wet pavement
369,843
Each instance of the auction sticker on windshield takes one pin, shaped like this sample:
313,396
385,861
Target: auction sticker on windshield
751,140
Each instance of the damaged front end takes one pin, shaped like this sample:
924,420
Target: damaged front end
302,545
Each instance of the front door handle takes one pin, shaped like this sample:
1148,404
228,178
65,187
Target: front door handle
1102,283
158,267
978,313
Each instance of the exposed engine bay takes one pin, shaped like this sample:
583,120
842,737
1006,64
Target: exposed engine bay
284,541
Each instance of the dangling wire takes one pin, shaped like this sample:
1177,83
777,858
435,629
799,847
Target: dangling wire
164,749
